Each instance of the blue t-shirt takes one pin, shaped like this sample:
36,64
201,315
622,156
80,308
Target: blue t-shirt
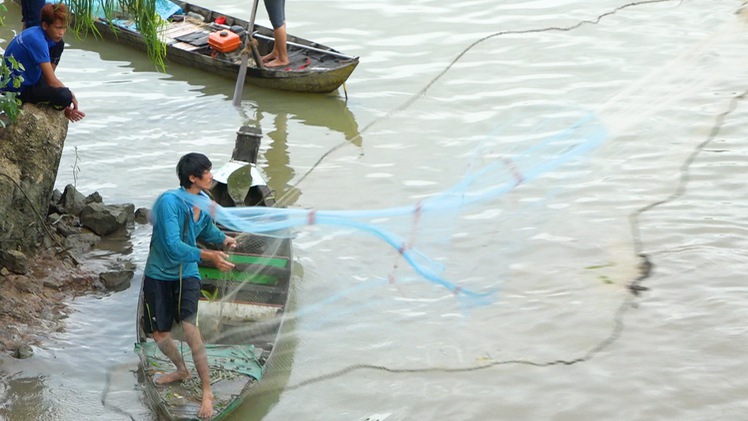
173,242
30,48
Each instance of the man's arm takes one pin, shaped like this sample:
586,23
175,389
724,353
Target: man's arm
48,73
212,234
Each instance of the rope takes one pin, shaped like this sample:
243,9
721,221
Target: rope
422,92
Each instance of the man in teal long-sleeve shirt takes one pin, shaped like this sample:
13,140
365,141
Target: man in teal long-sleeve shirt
171,285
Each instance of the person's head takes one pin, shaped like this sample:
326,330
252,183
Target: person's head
194,168
55,20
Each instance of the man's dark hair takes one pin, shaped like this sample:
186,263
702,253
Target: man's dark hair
52,12
192,164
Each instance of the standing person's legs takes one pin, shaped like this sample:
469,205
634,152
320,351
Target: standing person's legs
160,301
276,12
169,348
166,301
188,316
192,335
31,12
280,47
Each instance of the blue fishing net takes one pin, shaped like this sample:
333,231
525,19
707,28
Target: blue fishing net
491,174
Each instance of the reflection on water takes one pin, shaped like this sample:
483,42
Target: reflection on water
276,112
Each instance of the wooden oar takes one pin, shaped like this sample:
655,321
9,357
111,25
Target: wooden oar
245,57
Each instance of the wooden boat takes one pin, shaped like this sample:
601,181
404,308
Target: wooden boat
313,67
240,316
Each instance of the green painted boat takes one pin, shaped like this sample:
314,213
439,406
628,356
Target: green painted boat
241,314
313,67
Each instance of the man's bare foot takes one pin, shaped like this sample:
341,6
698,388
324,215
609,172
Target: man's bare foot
206,406
269,57
277,63
174,376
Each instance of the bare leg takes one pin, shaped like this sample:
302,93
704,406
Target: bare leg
167,346
192,335
279,56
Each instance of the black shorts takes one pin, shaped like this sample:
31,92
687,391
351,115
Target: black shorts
166,302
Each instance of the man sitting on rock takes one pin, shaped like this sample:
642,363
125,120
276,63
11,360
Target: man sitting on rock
31,48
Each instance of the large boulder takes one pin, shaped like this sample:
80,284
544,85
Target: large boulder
105,219
30,151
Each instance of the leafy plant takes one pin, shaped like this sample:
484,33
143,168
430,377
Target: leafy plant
142,12
10,105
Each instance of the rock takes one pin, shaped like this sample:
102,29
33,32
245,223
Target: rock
129,210
30,286
23,352
72,201
4,271
119,276
54,202
81,243
15,261
30,151
142,215
103,219
94,197
56,196
68,225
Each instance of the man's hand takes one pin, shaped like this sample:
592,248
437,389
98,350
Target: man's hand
73,114
229,243
218,258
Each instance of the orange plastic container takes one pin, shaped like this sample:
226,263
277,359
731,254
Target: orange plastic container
224,41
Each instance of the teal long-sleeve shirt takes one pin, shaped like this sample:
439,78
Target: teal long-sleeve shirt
173,242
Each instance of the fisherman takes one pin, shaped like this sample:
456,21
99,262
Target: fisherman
171,281
39,49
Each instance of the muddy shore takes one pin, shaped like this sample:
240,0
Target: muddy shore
34,306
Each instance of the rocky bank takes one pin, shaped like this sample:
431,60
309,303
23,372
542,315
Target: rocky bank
45,234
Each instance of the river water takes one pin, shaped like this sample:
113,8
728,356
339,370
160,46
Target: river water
443,89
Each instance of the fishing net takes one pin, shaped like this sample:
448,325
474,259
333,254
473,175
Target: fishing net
256,302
